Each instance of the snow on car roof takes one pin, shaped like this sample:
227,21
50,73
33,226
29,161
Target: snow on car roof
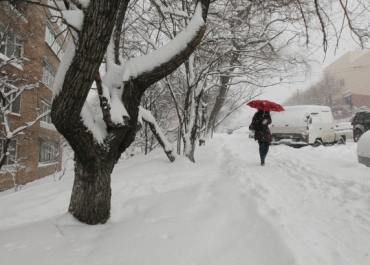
295,115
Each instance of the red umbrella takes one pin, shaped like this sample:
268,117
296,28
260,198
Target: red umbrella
265,105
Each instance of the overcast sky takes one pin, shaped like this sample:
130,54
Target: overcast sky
281,93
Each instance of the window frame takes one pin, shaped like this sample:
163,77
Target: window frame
16,41
16,102
12,150
48,73
348,100
57,17
46,156
45,107
51,38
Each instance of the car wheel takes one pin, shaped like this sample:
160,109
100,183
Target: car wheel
342,140
357,134
317,143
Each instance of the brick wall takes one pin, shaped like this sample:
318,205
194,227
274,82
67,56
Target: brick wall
361,100
37,51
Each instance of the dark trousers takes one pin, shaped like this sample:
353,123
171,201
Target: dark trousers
264,148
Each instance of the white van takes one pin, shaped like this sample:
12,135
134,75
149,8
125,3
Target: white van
305,125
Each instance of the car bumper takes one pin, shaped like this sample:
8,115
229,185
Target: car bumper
364,160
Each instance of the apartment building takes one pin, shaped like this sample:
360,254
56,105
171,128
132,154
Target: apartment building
29,34
352,71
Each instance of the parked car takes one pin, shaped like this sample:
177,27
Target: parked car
360,123
237,129
363,149
241,130
306,125
344,128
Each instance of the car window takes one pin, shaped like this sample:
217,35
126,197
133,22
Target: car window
360,116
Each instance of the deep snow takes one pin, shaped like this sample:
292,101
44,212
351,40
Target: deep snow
306,206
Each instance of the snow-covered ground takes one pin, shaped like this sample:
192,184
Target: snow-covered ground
306,206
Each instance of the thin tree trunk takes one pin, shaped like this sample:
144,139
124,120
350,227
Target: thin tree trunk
193,127
218,105
169,153
91,187
203,125
190,156
4,154
220,99
146,138
179,137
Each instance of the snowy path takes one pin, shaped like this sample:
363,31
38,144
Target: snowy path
308,206
314,196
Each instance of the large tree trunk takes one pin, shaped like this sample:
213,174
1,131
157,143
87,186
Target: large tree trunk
91,188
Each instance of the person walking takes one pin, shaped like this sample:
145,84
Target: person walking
262,134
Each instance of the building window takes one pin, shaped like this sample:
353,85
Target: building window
45,107
11,151
342,82
56,17
49,152
15,105
48,75
53,41
348,100
11,44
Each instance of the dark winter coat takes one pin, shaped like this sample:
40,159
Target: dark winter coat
259,124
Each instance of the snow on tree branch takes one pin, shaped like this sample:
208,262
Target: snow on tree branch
140,65
63,68
113,87
94,123
166,10
73,18
29,124
162,140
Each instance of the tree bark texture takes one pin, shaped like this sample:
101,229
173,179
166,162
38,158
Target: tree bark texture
91,195
193,130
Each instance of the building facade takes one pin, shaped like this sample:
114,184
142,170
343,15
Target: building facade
352,71
27,33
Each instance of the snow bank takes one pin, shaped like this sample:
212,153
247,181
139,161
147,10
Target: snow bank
307,206
363,145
